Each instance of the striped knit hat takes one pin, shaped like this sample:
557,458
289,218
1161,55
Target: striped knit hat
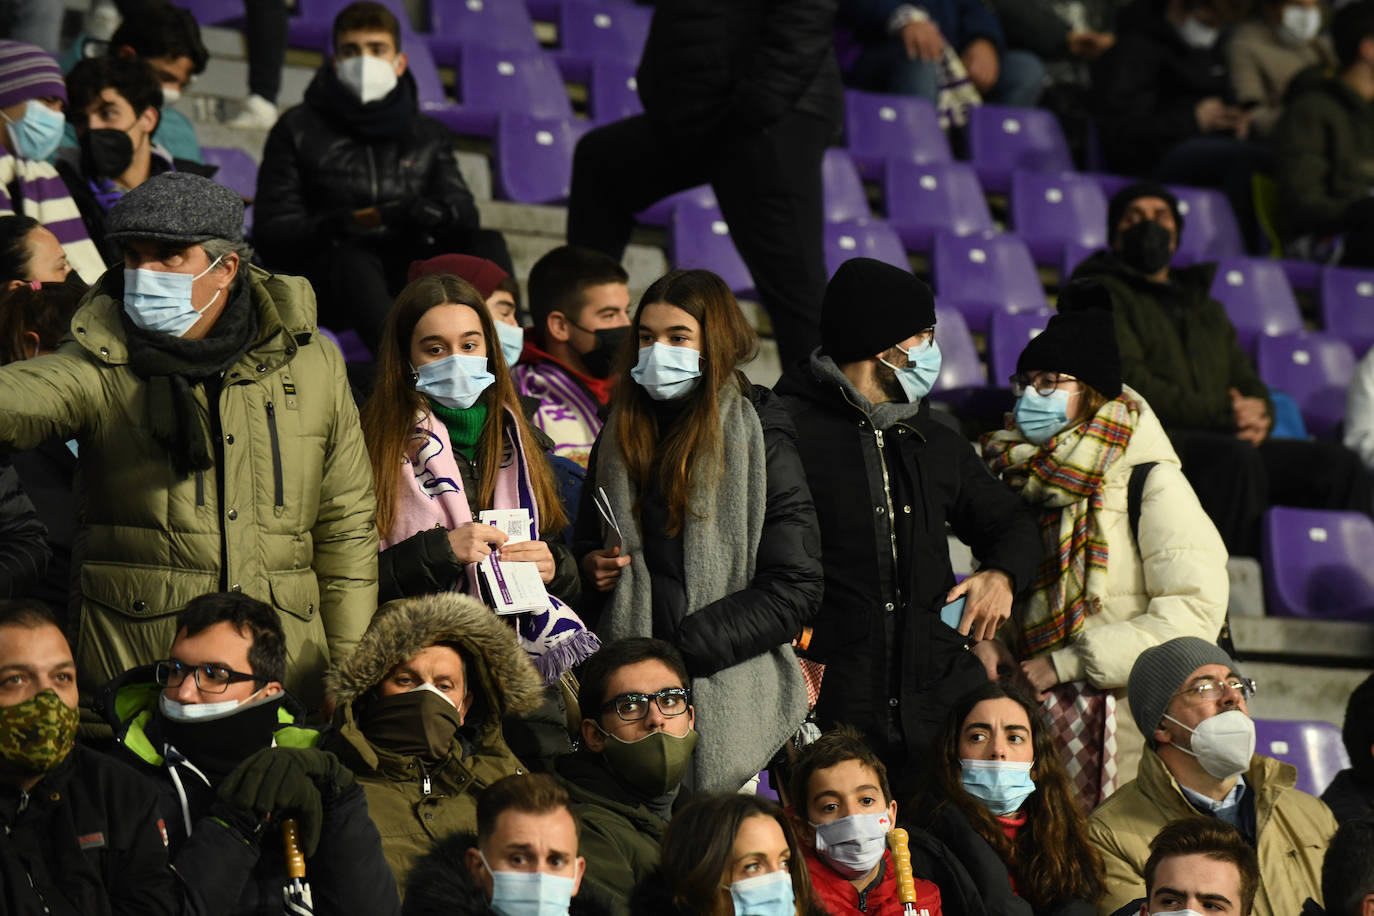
28,72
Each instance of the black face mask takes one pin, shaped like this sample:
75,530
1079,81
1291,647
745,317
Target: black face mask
219,745
600,359
1146,246
419,723
106,152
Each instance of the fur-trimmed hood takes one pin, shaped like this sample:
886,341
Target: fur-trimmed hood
503,672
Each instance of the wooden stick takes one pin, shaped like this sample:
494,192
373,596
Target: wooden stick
291,840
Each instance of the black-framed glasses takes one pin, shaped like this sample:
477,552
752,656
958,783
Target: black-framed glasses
672,701
1210,689
1044,383
209,678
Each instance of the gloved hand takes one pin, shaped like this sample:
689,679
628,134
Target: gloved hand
278,781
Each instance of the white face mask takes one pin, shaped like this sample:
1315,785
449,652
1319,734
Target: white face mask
853,845
1223,744
370,78
1197,34
1300,24
436,691
204,712
170,95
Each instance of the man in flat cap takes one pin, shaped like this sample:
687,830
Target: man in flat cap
887,476
219,447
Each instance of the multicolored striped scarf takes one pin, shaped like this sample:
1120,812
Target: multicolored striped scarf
1064,478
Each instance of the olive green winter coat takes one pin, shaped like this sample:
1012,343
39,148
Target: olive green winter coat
287,514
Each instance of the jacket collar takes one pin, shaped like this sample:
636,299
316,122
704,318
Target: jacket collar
1266,778
819,379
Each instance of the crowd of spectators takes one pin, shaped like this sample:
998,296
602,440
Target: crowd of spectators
521,623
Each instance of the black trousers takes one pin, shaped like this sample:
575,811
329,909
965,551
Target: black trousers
355,282
1236,482
768,184
264,32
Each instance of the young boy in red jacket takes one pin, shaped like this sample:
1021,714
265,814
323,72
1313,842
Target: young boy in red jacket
843,810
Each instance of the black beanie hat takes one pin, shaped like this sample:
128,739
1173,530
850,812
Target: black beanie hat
1122,199
869,306
1080,340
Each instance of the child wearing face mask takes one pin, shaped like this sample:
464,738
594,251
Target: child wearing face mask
1131,558
1000,800
714,547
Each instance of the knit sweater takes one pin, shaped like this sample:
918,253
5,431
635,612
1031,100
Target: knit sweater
33,189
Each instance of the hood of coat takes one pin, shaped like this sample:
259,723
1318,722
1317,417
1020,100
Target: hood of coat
1149,442
502,673
285,305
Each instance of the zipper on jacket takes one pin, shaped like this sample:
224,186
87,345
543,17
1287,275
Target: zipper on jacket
372,174
200,488
426,786
279,500
891,522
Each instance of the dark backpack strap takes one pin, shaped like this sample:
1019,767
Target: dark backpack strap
1135,495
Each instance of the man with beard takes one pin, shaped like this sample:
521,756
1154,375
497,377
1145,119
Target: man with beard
212,726
894,626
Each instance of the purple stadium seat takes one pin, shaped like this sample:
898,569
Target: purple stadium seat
493,23
592,29
1210,230
1314,370
1051,211
613,93
313,25
842,187
237,170
532,157
1257,297
213,12
880,128
985,273
1008,335
1075,254
661,213
1347,297
1316,564
1314,748
1109,184
348,341
1303,275
699,237
1002,140
923,199
862,238
493,80
960,368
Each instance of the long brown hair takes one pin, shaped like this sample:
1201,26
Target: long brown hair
699,844
692,443
1051,858
388,417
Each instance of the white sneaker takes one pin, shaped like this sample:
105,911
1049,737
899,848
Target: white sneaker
102,20
257,114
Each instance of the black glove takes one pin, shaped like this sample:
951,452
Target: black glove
413,214
279,781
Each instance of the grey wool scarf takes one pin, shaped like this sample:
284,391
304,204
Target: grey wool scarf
743,713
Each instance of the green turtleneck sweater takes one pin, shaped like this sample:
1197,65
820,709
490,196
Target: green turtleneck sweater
464,426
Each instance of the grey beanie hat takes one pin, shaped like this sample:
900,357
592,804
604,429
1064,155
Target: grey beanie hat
177,207
1161,671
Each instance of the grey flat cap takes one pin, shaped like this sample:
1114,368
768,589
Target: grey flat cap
177,207
1161,671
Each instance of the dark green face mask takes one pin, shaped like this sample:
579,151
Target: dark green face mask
420,723
654,764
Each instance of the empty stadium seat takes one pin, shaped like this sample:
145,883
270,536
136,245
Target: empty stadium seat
880,128
1050,211
960,368
698,237
1076,253
1008,334
926,198
613,93
1257,298
532,157
842,189
589,30
494,23
1317,564
1210,230
984,273
660,213
1314,370
1347,304
862,238
493,80
237,170
1314,748
1002,140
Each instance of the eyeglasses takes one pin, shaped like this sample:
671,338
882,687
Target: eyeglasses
209,678
634,706
1211,689
1043,382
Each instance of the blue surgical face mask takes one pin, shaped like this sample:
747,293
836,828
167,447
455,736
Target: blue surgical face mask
1001,785
38,132
160,300
764,895
519,893
455,381
667,372
918,376
512,341
1042,416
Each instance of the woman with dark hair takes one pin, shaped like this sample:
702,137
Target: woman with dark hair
728,855
29,253
1000,800
448,440
714,548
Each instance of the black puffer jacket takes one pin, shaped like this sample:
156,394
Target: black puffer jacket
1350,797
333,155
731,67
889,657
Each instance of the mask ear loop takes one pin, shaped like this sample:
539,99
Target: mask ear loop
414,375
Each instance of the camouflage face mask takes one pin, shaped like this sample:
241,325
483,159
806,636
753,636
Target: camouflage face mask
37,734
